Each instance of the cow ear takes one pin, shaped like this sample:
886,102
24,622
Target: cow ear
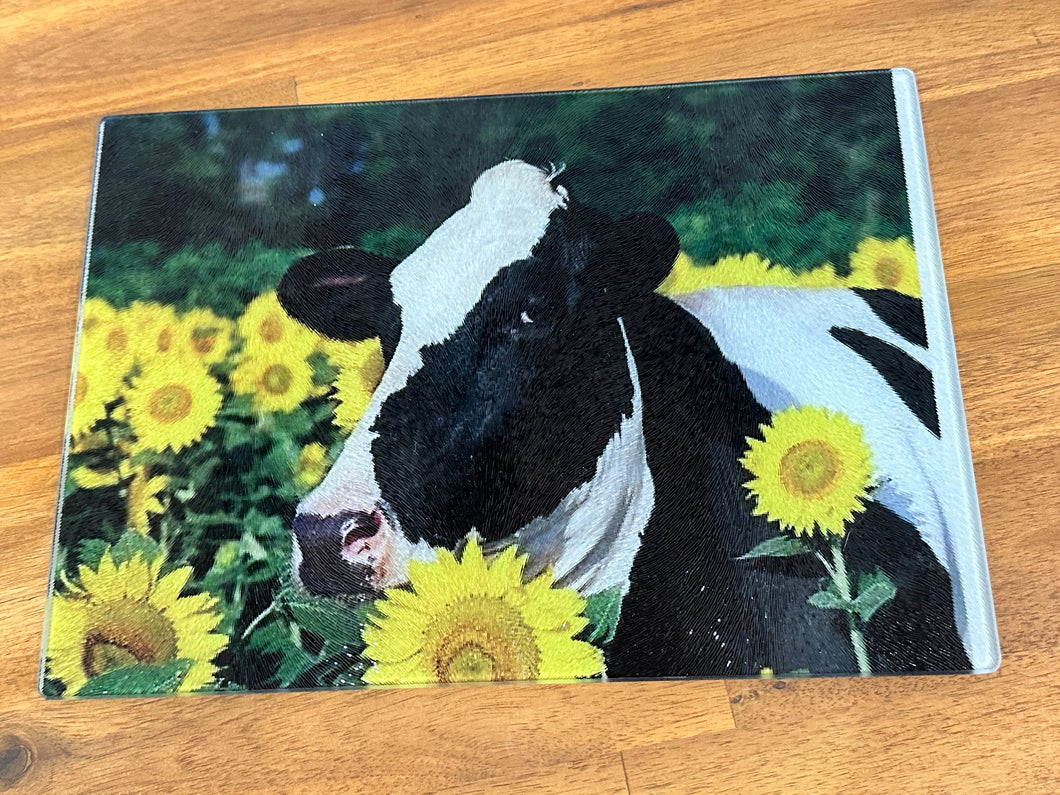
646,247
343,293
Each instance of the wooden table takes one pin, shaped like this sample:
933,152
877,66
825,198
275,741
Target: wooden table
989,74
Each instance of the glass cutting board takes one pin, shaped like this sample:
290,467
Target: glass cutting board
631,383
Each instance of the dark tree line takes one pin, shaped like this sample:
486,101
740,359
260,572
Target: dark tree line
796,169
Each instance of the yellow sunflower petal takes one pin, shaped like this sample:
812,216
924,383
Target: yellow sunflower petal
398,641
198,676
103,583
433,584
88,478
360,368
563,658
165,592
547,607
189,605
276,381
66,628
137,578
267,330
506,570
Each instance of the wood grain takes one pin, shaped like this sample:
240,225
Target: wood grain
989,74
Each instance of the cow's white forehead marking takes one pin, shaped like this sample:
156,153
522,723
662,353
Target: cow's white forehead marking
592,536
436,287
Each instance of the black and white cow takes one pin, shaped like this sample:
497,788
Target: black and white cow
539,390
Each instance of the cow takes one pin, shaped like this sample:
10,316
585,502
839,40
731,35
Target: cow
539,391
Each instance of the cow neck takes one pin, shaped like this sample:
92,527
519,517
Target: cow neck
592,536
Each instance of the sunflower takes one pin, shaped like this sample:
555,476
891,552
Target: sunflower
158,332
90,478
275,381
311,465
96,312
812,470
95,385
142,499
885,264
469,621
171,404
267,330
125,614
106,340
360,367
207,336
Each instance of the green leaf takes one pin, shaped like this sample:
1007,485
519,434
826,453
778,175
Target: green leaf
874,591
90,551
295,661
339,624
829,600
603,609
138,680
131,543
778,547
270,636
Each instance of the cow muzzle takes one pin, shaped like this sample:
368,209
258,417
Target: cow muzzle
353,552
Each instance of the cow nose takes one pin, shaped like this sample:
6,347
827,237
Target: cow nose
360,525
323,569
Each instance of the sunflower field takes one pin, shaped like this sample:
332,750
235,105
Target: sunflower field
192,436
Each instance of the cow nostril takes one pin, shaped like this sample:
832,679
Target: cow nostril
361,525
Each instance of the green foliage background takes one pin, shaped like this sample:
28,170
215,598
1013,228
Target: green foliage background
797,169
209,209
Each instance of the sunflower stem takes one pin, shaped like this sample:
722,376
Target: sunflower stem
826,564
842,583
258,619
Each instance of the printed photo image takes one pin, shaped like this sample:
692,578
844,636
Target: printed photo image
622,384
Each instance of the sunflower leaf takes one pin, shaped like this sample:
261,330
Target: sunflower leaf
131,543
339,625
874,591
778,547
90,552
603,609
295,661
829,600
138,680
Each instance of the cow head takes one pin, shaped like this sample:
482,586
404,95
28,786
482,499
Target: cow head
508,374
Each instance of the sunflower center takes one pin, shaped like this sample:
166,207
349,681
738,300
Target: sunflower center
276,380
117,340
203,340
470,664
126,632
80,388
165,339
810,467
481,639
170,403
271,330
888,272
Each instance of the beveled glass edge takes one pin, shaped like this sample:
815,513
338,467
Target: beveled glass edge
965,528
